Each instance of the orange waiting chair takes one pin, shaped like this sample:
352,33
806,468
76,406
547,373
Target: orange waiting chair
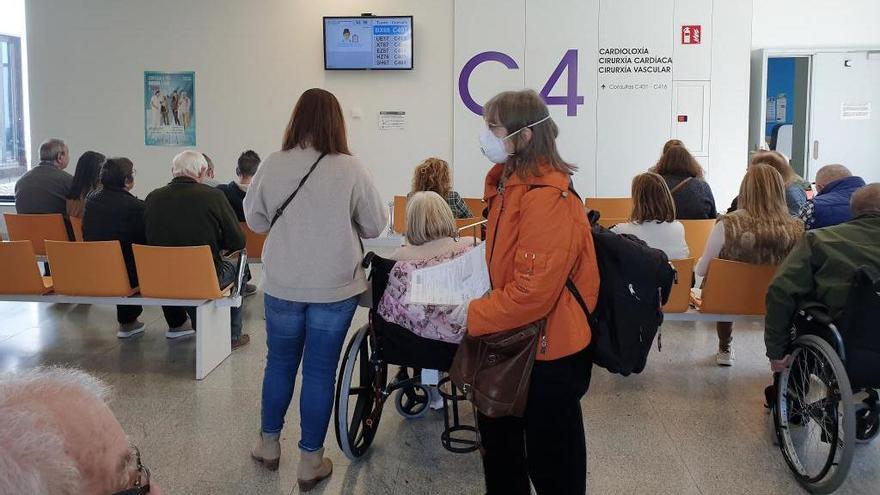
37,229
399,213
253,243
21,275
476,205
77,224
734,288
679,297
177,272
95,269
610,207
696,234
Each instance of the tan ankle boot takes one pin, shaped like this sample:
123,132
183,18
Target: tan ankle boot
267,451
313,467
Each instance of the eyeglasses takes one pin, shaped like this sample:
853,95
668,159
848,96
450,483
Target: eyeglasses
142,481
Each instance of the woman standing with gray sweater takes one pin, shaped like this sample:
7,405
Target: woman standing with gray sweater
311,270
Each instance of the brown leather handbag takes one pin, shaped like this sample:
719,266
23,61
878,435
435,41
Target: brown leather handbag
494,371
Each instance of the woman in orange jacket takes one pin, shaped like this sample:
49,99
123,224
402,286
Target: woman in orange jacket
537,237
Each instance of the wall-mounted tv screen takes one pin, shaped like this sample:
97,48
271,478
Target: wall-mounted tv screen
368,43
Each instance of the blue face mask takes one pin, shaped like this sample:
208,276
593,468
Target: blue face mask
492,146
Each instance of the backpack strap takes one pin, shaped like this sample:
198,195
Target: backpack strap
680,185
591,318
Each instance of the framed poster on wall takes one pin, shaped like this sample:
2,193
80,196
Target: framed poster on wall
169,109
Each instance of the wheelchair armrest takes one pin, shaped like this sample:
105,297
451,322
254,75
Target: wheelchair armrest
814,319
368,259
816,312
240,258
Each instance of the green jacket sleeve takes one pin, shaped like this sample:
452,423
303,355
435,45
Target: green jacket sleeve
791,287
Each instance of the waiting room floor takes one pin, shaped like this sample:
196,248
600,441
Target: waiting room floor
685,426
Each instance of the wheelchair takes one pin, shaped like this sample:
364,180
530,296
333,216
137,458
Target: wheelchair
362,387
826,400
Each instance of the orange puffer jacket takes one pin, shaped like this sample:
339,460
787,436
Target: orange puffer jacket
537,236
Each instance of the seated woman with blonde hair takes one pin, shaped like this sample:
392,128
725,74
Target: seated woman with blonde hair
431,238
653,217
433,175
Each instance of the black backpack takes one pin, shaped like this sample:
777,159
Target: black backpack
635,281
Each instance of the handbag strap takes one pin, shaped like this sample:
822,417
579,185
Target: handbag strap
680,185
281,208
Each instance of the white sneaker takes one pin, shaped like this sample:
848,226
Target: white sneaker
127,330
181,331
725,358
436,400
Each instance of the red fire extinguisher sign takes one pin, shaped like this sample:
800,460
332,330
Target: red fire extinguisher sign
691,35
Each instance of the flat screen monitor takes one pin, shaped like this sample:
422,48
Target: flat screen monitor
368,43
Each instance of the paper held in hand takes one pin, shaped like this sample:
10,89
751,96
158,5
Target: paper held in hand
453,282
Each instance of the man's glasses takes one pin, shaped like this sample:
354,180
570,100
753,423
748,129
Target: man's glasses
141,483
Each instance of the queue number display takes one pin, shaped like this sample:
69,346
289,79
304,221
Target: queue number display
368,43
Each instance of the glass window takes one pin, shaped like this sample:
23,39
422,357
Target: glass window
13,162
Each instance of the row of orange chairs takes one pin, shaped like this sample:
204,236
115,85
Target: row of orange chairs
50,227
97,269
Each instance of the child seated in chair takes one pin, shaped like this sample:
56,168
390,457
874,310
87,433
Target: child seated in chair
431,238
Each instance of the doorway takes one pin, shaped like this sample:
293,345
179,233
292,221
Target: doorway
817,108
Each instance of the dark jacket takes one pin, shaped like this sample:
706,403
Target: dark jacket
43,189
113,214
831,206
236,198
186,213
819,269
694,200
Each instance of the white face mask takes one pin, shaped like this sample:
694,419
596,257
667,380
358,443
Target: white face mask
492,146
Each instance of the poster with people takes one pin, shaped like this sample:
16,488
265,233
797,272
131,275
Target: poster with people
169,109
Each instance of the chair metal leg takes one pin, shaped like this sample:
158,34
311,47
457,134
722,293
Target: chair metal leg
213,337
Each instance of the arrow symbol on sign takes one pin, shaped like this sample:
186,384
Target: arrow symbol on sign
603,86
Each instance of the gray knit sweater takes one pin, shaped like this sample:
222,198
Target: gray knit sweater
313,252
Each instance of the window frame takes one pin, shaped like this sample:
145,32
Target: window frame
17,101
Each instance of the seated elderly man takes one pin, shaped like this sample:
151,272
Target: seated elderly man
835,185
58,437
44,188
189,213
820,269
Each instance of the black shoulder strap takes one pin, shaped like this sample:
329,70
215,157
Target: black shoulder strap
281,208
577,296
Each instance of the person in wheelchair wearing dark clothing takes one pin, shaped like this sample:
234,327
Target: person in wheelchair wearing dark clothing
820,269
820,333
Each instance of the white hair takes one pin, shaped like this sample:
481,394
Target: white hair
34,458
51,149
189,163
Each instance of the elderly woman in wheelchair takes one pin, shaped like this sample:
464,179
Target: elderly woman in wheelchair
410,336
826,357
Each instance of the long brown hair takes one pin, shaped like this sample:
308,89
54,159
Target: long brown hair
678,161
652,201
516,110
432,175
670,144
779,162
316,121
762,193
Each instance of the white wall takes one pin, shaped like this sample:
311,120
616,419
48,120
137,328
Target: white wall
815,23
252,60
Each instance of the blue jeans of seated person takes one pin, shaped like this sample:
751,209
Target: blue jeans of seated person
312,333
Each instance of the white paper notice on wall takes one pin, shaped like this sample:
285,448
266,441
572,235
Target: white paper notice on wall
855,111
392,120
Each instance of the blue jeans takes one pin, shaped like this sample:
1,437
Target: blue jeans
313,333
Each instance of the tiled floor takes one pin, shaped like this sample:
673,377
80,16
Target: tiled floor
684,426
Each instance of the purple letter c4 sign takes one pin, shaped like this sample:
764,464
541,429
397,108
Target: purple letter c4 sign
469,67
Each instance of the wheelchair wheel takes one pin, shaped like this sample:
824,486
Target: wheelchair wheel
412,401
359,397
867,422
815,416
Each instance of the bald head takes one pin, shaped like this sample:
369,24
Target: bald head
866,199
830,173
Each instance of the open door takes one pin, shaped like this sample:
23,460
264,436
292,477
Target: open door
845,113
757,100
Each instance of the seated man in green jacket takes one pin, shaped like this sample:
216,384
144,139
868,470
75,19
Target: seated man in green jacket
820,269
189,213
